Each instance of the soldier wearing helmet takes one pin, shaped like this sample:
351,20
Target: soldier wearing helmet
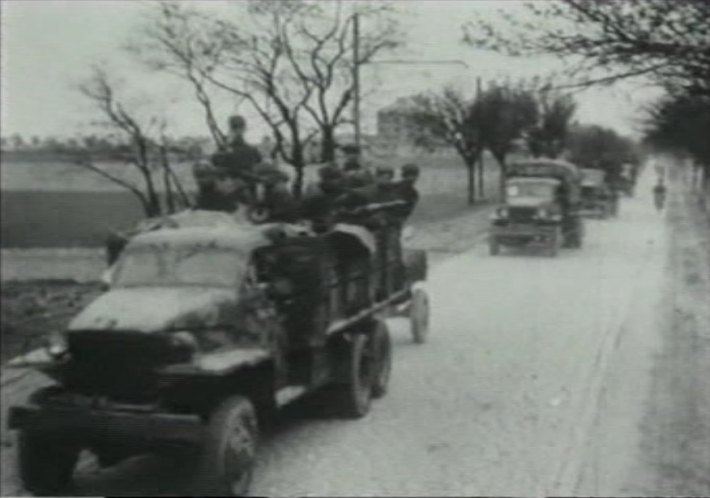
238,158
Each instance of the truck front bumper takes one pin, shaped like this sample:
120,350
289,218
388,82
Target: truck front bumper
519,234
102,424
594,210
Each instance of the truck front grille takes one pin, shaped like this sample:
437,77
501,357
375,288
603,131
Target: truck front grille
522,214
119,365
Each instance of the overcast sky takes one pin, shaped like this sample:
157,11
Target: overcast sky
48,46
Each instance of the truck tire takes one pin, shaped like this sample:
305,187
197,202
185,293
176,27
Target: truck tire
46,462
352,396
553,245
227,460
419,315
493,247
383,358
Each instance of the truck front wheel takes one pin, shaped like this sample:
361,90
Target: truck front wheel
46,463
383,358
419,315
352,395
493,246
227,460
553,244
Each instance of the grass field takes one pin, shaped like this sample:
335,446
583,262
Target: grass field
60,206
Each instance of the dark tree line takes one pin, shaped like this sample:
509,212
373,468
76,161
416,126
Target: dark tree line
666,42
502,119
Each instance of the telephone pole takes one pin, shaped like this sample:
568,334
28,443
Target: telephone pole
356,78
481,187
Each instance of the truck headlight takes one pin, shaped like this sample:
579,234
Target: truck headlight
500,213
205,341
56,345
185,342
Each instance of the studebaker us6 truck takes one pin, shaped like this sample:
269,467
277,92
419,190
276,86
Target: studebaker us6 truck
203,333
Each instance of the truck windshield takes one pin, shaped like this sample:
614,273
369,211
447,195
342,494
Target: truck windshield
539,190
178,267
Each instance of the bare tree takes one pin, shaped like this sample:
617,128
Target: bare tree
177,40
145,154
549,135
290,61
506,113
681,124
319,48
449,117
593,146
605,41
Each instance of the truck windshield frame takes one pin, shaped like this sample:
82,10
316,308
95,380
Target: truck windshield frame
536,190
179,266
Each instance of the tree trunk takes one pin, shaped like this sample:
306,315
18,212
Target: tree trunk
298,162
471,169
705,187
169,194
503,172
327,145
297,187
481,175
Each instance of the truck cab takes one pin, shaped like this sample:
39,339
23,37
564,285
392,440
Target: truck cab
598,199
539,209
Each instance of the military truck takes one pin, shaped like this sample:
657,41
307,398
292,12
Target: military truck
540,207
598,199
204,332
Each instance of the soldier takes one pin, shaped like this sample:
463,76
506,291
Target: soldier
367,205
351,157
659,194
406,190
356,174
274,201
218,195
321,203
238,157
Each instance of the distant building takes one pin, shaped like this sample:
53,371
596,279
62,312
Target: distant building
395,135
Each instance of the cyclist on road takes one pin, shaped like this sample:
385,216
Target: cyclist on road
659,194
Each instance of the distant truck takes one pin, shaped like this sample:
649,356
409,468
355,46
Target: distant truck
541,207
204,332
599,200
626,180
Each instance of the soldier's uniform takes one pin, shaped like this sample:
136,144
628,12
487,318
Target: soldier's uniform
238,158
321,203
274,202
407,192
209,197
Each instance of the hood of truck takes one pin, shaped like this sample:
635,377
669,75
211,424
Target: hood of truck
153,309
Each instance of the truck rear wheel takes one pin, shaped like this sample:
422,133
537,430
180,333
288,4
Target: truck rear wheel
227,461
553,244
383,357
352,396
493,247
419,315
46,462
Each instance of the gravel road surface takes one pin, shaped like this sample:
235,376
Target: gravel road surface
528,358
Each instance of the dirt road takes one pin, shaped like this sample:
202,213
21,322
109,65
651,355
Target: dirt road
535,382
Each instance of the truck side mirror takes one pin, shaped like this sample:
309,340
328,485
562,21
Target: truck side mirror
107,278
